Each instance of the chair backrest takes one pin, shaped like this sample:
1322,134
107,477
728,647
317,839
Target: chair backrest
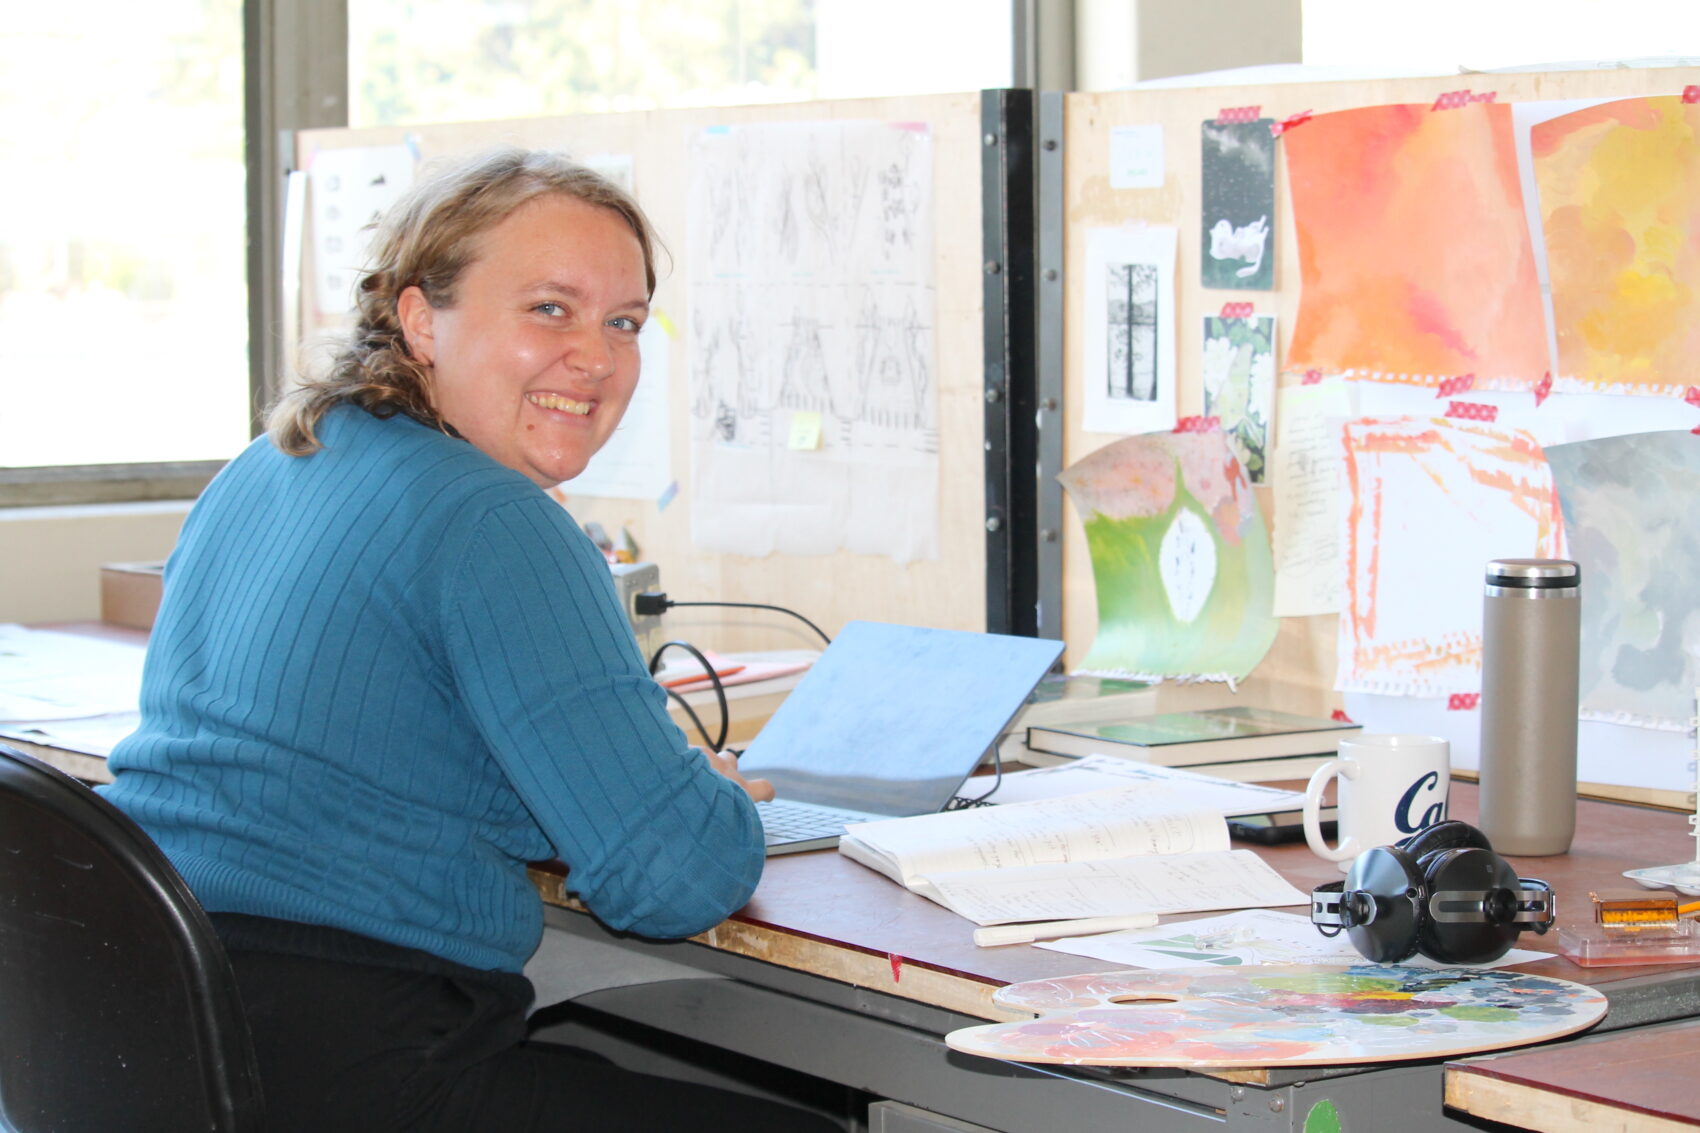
118,1007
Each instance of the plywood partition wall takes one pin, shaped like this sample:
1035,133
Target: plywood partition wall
1298,672
948,592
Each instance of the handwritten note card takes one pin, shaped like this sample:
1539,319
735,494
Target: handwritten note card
1308,465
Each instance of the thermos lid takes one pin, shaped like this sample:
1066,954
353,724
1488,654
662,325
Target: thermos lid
1534,574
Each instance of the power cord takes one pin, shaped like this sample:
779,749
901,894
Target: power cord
719,691
655,602
984,798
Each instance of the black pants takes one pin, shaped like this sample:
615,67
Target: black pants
354,1034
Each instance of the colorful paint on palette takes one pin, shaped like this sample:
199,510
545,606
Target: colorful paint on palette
1415,253
1620,209
1273,1015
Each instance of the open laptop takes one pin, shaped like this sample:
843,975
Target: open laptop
888,723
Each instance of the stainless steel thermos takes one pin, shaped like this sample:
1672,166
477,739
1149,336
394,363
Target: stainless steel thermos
1531,631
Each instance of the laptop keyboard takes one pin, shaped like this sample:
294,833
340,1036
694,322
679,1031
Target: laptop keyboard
800,822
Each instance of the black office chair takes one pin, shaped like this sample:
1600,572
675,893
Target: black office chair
118,1007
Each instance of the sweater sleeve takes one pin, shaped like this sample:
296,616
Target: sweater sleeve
656,842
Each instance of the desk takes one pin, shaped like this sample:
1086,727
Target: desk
1641,1079
835,971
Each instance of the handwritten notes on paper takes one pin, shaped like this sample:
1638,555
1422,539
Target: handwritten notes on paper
1184,883
1308,479
1107,853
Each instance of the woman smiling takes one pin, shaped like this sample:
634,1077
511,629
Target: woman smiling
388,671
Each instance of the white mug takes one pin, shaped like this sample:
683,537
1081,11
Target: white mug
1390,788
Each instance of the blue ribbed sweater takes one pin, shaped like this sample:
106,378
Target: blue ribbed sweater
387,675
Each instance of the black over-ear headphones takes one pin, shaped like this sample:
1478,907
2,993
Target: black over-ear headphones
1442,892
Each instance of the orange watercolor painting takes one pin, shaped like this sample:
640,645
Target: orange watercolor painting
1430,501
1415,253
1620,208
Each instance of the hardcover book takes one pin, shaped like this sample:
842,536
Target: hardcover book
1187,739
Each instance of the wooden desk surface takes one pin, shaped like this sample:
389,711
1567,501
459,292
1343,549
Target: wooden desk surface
822,913
1637,1079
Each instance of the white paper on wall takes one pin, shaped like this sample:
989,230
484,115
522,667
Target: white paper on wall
1129,378
812,292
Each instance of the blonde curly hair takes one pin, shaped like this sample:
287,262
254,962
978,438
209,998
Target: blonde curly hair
427,240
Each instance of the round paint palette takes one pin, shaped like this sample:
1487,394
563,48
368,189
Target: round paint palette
1297,1015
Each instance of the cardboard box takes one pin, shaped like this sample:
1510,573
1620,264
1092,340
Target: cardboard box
129,593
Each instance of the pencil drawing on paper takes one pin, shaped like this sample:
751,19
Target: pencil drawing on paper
1132,293
811,291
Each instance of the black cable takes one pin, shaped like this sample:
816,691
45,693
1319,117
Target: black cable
653,603
960,803
719,692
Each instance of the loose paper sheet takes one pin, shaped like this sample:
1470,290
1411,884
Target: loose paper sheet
1238,185
1620,213
91,735
1129,330
1136,156
1254,936
1416,258
1239,385
1172,883
350,189
1629,515
1309,473
65,676
812,291
1148,820
636,463
1430,502
1180,558
1106,772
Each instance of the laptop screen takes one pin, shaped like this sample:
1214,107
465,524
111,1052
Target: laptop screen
893,718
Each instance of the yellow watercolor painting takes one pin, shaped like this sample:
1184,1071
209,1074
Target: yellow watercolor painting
1620,208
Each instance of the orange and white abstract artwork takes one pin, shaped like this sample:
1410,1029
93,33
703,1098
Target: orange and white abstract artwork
1430,501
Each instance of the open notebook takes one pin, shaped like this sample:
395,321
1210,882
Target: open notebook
888,723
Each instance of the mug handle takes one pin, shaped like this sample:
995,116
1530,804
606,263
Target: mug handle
1348,848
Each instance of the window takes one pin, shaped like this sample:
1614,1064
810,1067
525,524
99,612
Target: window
451,60
1441,35
123,324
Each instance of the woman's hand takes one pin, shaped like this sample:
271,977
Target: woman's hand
759,789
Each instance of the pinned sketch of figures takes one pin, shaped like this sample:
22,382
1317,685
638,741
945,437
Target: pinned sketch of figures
812,293
1130,330
1238,182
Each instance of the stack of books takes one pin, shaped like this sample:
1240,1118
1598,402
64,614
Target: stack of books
1252,745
